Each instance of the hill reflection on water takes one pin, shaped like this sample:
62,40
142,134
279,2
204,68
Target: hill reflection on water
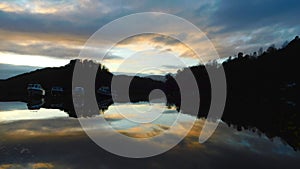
61,143
284,126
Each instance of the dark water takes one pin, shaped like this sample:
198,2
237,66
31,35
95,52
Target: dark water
48,138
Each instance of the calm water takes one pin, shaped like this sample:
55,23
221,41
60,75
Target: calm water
48,138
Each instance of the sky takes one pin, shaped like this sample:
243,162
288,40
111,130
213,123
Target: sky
51,32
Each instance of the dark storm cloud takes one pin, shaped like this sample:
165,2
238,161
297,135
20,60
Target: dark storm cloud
158,39
245,26
109,56
85,18
165,40
172,66
235,15
82,17
232,15
40,49
261,21
45,24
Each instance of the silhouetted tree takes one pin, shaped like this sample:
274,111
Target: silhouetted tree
284,44
240,55
271,48
260,51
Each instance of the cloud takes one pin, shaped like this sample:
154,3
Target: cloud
41,48
159,42
81,17
35,6
240,15
62,46
165,40
6,7
110,56
244,26
173,68
233,26
250,41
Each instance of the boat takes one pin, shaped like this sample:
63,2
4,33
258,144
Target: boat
78,97
35,90
78,91
57,91
105,90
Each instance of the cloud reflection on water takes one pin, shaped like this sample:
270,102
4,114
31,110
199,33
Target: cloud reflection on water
64,144
61,143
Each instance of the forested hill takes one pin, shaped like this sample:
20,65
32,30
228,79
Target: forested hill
267,76
49,77
15,88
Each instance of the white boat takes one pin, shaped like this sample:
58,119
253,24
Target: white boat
105,90
78,91
35,90
57,90
78,97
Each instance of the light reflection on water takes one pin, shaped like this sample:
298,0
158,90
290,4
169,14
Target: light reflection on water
124,117
121,117
29,138
6,106
14,111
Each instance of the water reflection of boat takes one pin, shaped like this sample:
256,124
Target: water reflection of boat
78,101
105,103
78,96
35,90
57,105
35,104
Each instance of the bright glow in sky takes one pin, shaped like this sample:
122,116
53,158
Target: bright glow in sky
152,54
31,60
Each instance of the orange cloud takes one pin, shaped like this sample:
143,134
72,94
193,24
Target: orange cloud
6,7
39,165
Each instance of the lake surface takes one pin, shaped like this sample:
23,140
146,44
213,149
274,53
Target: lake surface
48,138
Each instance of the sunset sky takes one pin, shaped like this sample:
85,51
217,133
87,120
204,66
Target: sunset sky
50,33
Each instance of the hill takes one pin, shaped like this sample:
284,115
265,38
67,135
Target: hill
261,91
